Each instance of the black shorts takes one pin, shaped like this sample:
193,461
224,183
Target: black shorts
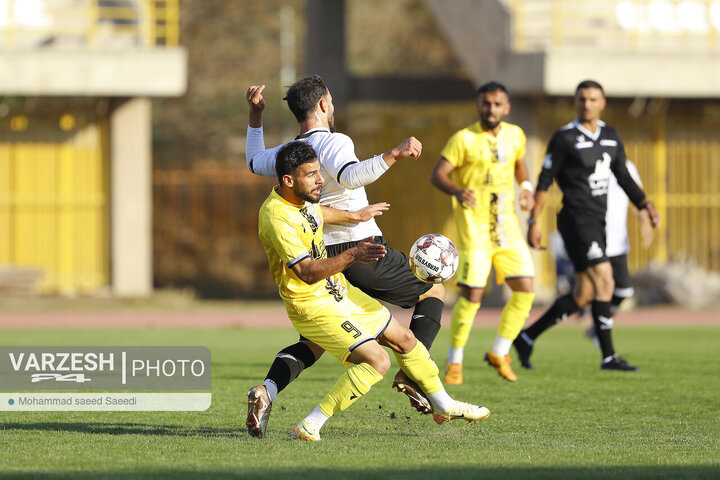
389,279
621,275
584,239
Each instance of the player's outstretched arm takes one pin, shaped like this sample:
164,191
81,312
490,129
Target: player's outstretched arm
353,173
410,147
440,178
334,216
312,271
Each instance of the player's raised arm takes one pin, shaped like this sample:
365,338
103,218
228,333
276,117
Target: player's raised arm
256,101
312,271
259,160
335,216
440,177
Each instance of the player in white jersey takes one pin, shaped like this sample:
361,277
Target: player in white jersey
617,240
390,279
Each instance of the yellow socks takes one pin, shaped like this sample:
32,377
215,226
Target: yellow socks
514,314
463,316
418,365
354,383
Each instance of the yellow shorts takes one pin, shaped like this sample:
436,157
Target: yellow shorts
339,327
510,261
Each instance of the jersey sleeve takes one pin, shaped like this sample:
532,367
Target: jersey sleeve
285,240
339,155
633,171
260,161
554,159
624,179
453,151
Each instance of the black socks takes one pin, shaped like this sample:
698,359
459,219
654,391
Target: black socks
558,312
425,323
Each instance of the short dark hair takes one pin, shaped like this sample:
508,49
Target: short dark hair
303,95
589,84
291,156
491,87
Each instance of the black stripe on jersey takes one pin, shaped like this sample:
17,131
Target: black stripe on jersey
313,132
251,166
297,260
343,169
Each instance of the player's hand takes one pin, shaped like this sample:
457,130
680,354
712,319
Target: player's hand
410,147
466,197
255,99
654,214
646,233
526,200
374,210
534,236
367,252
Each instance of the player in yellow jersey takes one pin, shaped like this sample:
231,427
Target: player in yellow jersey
326,309
478,167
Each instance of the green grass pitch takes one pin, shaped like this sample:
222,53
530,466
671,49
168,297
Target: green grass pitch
565,419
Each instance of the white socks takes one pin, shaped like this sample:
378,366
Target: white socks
455,355
317,417
501,346
441,401
271,389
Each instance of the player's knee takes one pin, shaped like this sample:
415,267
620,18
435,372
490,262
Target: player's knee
406,341
379,360
436,291
316,350
605,287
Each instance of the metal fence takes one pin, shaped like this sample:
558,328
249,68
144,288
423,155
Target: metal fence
206,220
205,231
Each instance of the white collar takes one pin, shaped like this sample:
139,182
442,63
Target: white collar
594,136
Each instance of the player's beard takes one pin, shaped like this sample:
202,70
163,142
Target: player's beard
331,124
489,126
308,196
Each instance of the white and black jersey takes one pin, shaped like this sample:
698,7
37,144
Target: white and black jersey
336,153
390,279
582,163
617,213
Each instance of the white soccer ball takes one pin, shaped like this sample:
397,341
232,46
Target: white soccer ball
434,258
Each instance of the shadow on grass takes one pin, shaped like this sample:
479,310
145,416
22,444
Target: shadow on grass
593,472
126,429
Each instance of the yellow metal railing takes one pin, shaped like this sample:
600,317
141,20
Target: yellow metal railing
617,25
89,24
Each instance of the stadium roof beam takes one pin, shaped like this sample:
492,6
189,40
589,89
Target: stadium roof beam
326,56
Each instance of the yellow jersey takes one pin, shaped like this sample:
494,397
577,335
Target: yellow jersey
291,233
485,164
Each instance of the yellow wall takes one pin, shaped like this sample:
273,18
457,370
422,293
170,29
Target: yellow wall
54,200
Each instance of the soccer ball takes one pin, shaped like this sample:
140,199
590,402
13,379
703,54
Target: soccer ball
434,258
